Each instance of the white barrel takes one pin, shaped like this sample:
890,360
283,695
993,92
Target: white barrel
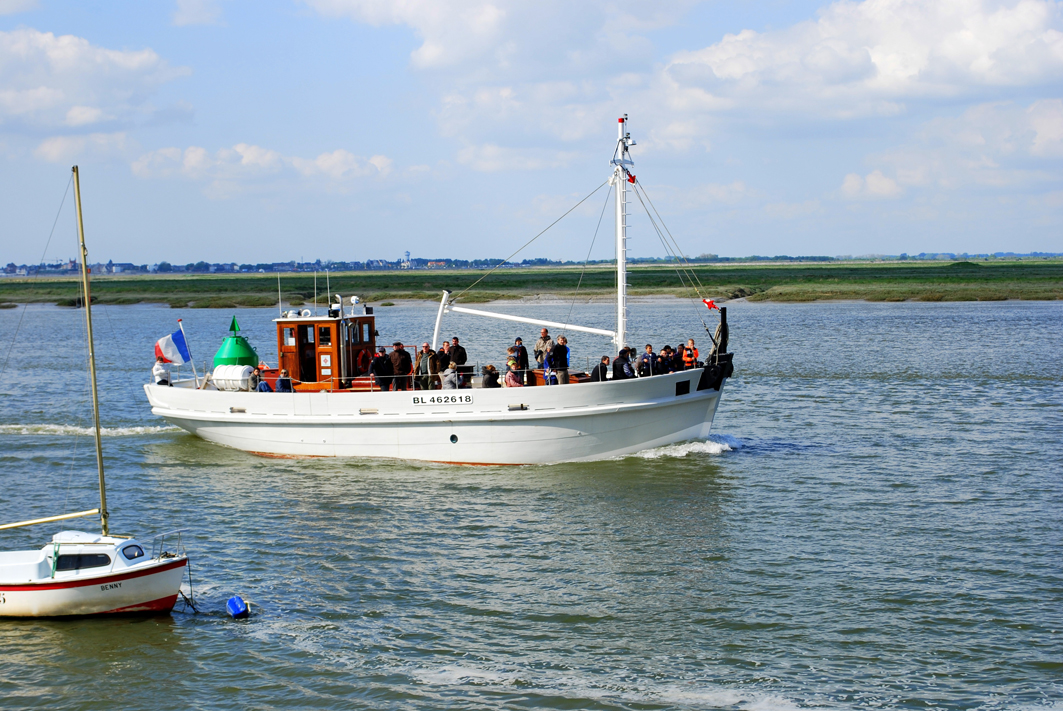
233,377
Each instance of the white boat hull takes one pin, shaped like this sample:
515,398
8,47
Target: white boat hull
532,425
147,588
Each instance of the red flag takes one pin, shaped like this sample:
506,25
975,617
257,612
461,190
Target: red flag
631,178
711,304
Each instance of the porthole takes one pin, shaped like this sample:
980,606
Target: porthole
453,439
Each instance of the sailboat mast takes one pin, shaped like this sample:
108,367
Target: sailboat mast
622,162
92,351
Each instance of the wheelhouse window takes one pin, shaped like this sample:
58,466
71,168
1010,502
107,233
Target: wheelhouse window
289,336
81,561
133,552
324,335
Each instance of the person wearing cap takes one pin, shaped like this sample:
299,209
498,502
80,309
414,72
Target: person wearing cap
522,362
401,366
380,369
425,368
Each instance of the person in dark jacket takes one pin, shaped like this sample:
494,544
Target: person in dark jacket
459,358
284,382
647,362
401,366
664,361
443,359
600,372
491,377
557,359
381,369
522,362
622,366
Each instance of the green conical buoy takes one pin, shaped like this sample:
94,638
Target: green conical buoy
234,326
235,350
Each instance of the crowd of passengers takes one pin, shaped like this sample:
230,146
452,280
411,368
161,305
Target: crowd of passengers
447,369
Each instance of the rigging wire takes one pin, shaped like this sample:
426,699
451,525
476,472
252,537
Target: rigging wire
495,268
11,348
668,249
669,232
572,306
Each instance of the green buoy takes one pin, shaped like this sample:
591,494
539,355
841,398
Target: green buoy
235,350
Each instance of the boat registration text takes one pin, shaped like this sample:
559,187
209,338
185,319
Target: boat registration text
442,399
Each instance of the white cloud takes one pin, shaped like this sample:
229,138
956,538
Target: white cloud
1046,120
196,12
341,165
10,7
490,158
52,81
873,185
65,149
229,170
870,57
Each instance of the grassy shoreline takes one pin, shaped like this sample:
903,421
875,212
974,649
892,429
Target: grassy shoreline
904,281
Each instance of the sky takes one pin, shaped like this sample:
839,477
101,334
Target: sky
230,130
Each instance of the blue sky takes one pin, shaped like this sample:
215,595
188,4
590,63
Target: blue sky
357,129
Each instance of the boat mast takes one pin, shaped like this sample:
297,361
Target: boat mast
621,176
92,352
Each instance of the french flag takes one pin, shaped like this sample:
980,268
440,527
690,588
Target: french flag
173,348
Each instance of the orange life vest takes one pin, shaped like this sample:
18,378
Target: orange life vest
690,356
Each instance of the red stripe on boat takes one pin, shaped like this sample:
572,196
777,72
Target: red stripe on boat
82,582
163,604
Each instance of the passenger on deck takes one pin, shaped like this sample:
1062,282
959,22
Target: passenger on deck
284,382
514,377
647,362
401,366
257,383
490,379
380,369
600,372
558,359
426,368
664,361
543,347
459,358
622,366
161,371
522,361
678,357
690,357
450,377
442,360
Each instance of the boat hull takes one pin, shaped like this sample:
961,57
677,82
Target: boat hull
145,589
578,422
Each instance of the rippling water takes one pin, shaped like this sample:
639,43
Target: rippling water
876,524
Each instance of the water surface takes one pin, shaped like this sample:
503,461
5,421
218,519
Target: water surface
875,524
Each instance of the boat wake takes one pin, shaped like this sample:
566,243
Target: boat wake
715,444
71,430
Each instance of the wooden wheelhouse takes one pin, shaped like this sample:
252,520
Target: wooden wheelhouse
326,352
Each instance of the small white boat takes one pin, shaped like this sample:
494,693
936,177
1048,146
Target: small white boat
87,574
79,573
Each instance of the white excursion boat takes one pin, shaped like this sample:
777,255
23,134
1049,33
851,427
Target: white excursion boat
336,410
81,573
